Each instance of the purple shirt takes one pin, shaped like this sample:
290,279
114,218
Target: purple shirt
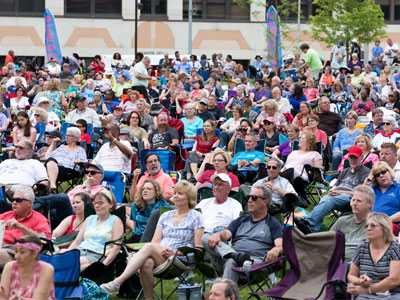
259,94
285,148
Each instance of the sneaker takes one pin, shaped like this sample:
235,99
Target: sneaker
111,287
186,275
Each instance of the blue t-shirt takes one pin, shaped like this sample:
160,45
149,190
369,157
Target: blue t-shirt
142,217
389,201
247,156
191,127
296,103
396,79
376,51
185,67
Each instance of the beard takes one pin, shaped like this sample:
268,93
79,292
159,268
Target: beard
154,170
162,127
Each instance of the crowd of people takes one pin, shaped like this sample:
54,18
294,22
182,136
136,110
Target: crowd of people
256,133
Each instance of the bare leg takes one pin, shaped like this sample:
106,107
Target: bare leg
52,170
4,258
147,278
84,263
193,167
152,250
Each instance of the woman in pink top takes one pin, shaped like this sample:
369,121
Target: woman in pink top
364,141
312,127
311,92
27,277
306,154
327,80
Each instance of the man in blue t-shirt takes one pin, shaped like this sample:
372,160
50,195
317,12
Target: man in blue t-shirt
249,157
256,237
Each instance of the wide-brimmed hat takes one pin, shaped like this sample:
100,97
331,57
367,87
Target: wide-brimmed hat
44,99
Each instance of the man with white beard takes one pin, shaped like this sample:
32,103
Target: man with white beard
154,172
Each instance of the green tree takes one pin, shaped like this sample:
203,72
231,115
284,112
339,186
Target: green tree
347,19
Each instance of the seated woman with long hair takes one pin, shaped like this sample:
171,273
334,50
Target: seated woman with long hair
27,277
183,226
75,222
148,198
203,145
375,266
97,230
285,148
301,119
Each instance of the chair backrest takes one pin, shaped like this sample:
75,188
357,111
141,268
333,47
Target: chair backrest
66,271
115,181
64,128
167,159
239,146
179,126
89,129
200,131
313,259
295,146
283,138
175,175
40,128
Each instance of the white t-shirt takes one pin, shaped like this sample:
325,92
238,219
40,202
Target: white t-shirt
55,69
215,215
391,48
27,172
113,159
142,70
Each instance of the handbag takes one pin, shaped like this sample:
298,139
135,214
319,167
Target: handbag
190,291
91,291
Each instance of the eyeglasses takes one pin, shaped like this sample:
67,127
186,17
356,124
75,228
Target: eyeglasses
18,200
92,172
19,148
218,160
152,161
136,118
390,95
253,197
36,115
99,203
386,123
272,167
380,173
69,135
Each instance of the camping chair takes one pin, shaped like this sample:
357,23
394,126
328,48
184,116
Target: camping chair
40,128
206,193
115,182
167,159
66,274
315,266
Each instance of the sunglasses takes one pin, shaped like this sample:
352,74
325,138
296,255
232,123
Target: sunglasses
272,167
380,173
19,148
390,95
267,122
253,197
92,172
18,200
386,123
36,115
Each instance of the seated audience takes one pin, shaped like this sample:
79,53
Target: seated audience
163,136
285,148
388,134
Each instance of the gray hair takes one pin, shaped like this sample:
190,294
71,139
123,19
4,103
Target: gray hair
368,191
141,100
231,288
189,105
267,194
25,190
40,111
98,93
28,145
278,161
75,131
146,58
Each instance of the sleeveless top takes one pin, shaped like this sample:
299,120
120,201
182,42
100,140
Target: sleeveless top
71,228
96,236
31,287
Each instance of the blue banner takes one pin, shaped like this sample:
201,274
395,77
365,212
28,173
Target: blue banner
274,40
51,38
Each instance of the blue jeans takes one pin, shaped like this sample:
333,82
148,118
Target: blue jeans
225,138
324,207
336,159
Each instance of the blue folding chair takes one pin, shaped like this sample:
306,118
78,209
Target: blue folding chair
200,131
40,128
239,146
341,109
66,274
115,182
64,128
167,158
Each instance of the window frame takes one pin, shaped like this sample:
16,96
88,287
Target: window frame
17,13
152,13
92,12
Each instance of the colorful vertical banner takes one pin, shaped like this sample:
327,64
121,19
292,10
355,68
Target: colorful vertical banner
274,40
51,38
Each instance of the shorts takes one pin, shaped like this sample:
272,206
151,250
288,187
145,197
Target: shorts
91,255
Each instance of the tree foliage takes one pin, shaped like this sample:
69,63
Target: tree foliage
347,19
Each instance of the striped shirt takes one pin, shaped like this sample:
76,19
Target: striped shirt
379,271
113,159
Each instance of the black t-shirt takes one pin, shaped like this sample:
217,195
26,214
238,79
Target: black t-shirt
270,142
206,116
217,112
162,140
397,105
329,122
171,107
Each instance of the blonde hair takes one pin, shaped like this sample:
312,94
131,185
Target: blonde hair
382,165
367,138
386,225
140,202
54,84
109,196
40,111
189,190
270,103
311,141
224,154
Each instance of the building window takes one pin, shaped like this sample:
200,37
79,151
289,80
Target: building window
306,8
218,10
93,7
154,7
22,7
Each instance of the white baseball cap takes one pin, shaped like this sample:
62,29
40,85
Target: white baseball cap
223,177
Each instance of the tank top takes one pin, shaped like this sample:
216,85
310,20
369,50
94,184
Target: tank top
71,227
31,287
96,236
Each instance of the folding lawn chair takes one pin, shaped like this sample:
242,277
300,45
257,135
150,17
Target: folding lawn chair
316,270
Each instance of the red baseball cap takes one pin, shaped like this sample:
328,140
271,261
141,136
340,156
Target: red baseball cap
355,151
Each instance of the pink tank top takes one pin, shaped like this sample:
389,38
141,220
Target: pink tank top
30,289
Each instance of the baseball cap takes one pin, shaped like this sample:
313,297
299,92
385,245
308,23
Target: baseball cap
223,177
54,133
271,119
79,98
204,100
117,107
355,151
97,166
124,131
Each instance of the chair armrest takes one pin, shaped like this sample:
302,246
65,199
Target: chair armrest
278,262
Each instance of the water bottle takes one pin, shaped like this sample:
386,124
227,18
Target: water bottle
247,266
191,259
